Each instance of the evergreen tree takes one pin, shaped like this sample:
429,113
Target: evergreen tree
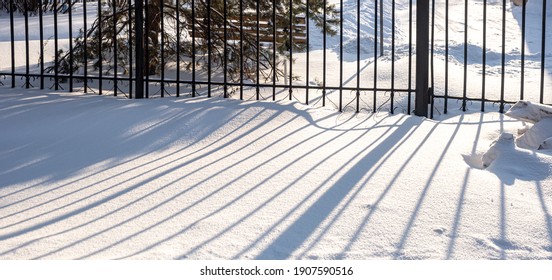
32,6
117,25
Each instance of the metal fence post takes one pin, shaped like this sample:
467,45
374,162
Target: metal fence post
139,36
422,50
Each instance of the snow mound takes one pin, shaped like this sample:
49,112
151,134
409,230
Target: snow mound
503,142
529,111
539,134
537,137
512,158
511,163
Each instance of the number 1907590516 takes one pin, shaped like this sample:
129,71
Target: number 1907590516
322,270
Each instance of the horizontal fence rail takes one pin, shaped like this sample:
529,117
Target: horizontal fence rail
350,54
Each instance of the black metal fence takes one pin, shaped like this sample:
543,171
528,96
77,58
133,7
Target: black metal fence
350,53
505,45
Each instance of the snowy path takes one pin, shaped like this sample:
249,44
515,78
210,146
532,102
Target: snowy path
98,177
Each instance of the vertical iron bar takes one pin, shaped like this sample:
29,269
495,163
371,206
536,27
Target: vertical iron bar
129,49
503,57
209,49
445,110
375,55
409,106
543,50
307,78
178,46
139,34
114,8
381,25
464,89
12,38
484,62
100,56
432,87
274,51
258,49
85,44
358,59
422,45
241,50
56,53
523,19
225,62
162,53
323,56
41,31
393,55
340,55
27,65
291,47
147,48
71,69
193,50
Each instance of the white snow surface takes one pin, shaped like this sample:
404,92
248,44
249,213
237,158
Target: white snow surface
536,136
529,112
540,116
96,177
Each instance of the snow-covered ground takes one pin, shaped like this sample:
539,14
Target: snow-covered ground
97,177
85,176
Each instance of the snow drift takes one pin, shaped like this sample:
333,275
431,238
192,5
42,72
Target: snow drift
94,177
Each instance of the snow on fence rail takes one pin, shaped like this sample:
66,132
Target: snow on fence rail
350,54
